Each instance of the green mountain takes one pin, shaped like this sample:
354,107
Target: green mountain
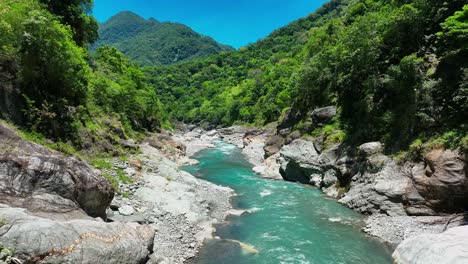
396,71
150,42
252,85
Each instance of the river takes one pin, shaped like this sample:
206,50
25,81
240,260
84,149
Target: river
288,222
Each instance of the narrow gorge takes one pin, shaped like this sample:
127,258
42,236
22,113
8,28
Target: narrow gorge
290,132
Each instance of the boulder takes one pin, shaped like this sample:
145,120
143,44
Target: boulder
323,115
293,136
299,161
270,168
449,247
440,184
253,146
128,144
301,151
126,210
37,178
273,145
191,127
377,185
371,148
284,132
41,240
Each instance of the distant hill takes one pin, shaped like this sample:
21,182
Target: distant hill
150,42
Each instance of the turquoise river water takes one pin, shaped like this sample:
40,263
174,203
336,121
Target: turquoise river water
287,223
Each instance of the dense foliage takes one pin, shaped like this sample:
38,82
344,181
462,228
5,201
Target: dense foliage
396,70
60,89
119,87
150,42
75,13
251,85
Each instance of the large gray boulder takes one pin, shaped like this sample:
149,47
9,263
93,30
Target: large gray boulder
39,179
323,115
300,162
450,247
377,183
41,240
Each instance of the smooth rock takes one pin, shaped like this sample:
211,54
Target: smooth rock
381,188
40,240
273,145
450,247
126,210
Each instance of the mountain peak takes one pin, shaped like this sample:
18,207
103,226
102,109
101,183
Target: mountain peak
150,42
125,17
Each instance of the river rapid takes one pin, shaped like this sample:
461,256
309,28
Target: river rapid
286,222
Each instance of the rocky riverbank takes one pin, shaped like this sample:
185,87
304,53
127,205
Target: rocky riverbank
405,202
57,209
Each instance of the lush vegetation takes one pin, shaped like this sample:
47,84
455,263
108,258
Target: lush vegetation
150,42
252,85
63,92
396,70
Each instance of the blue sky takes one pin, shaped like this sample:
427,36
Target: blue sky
232,22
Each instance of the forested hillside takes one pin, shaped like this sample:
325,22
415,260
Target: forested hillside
150,42
396,70
52,86
252,85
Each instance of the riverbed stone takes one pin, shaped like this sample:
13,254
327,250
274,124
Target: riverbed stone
449,247
126,210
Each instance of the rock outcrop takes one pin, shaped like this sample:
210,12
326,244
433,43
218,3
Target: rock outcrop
52,209
40,240
440,184
450,247
300,162
371,182
39,179
377,184
182,208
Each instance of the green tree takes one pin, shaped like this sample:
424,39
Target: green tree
75,13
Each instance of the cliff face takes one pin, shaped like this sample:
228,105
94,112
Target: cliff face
362,178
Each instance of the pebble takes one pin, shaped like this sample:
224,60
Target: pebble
126,210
